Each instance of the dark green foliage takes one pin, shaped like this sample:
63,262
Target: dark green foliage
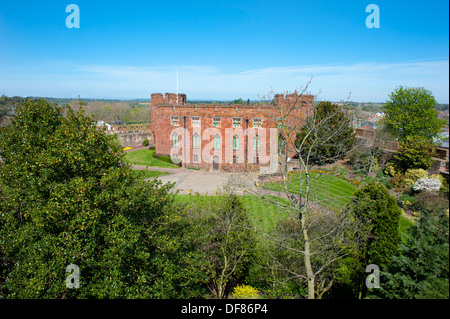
145,142
410,112
373,206
238,101
420,269
327,135
66,197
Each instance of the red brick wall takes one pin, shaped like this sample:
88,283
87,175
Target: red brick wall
163,129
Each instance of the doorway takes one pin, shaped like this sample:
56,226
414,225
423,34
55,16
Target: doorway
215,163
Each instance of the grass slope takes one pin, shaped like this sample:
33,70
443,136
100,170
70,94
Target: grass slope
326,190
149,174
263,215
145,158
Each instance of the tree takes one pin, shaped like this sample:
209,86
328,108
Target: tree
414,153
410,112
228,241
420,269
317,237
67,197
331,236
375,208
317,138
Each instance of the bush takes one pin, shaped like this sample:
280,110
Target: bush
165,158
414,152
145,142
444,185
398,182
152,148
427,184
245,292
415,174
430,202
390,169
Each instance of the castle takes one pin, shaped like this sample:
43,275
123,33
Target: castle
223,137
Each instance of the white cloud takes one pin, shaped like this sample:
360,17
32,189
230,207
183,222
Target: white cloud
370,81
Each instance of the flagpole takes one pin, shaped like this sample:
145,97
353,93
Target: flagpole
177,86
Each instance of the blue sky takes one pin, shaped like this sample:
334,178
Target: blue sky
223,49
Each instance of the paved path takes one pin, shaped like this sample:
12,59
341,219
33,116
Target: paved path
207,183
198,181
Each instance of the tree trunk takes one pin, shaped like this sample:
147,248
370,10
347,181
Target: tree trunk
307,253
309,271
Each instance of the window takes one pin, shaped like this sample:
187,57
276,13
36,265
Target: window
216,121
235,142
196,141
174,140
195,158
256,143
235,159
216,142
236,122
175,120
257,122
195,122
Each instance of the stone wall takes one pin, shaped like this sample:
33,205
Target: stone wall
131,135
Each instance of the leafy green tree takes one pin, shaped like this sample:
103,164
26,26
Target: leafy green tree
327,135
373,206
411,112
66,197
421,267
414,153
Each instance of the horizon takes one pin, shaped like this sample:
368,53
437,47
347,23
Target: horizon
224,50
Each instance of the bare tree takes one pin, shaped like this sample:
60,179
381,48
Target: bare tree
315,235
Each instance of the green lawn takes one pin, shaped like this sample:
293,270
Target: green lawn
145,158
262,214
326,190
265,216
148,174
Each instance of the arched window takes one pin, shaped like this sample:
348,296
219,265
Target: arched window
174,140
256,143
196,141
217,142
235,142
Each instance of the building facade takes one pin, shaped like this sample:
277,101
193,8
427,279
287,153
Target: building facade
222,137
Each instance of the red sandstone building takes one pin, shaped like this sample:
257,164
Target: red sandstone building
228,137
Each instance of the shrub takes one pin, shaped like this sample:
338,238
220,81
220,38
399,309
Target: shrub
430,202
245,292
152,148
398,182
415,173
390,169
427,184
165,158
145,142
414,152
444,185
